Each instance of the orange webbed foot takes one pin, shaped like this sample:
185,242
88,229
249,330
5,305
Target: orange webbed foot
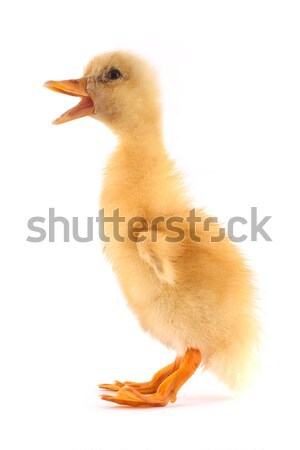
148,387
163,387
131,397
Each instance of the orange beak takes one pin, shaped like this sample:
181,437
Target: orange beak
76,88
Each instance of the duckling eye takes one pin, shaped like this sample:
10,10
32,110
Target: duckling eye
114,74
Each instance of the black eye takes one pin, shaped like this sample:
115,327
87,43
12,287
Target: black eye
114,74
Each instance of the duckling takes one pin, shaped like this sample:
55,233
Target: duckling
189,287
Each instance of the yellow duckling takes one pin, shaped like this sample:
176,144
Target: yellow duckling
195,297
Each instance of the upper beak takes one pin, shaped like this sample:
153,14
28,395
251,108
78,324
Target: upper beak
76,88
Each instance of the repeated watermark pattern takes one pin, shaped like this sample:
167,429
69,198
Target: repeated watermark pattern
45,228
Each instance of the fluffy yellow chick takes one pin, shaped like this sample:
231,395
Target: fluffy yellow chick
195,297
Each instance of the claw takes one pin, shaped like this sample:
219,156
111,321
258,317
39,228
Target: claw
112,387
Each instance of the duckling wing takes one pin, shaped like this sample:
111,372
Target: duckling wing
160,254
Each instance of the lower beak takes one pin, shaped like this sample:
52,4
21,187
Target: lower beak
76,88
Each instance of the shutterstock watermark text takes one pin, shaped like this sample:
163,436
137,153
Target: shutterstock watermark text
137,229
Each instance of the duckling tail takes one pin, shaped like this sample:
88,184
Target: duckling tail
238,364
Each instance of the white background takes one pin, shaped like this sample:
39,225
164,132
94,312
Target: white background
230,78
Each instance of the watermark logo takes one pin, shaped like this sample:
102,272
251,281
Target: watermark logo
49,228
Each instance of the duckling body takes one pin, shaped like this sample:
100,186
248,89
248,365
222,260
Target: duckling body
195,297
206,301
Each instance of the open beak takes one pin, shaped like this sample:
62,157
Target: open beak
77,88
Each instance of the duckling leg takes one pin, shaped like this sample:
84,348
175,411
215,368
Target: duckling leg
149,387
167,390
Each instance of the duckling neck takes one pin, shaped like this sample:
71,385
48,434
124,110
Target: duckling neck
140,177
145,135
142,144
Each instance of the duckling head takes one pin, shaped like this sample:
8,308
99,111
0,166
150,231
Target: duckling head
117,88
